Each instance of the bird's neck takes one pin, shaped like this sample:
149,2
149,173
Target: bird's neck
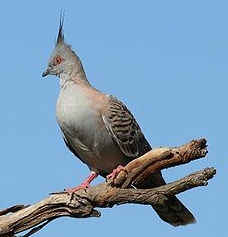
73,77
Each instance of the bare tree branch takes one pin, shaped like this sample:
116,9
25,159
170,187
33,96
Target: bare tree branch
117,191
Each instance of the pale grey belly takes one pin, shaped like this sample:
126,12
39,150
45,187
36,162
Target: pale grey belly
98,150
85,132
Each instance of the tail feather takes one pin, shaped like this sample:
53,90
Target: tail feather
172,210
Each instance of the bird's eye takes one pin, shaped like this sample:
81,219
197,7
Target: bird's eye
58,60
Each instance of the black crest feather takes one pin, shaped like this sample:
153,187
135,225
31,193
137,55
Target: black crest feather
60,38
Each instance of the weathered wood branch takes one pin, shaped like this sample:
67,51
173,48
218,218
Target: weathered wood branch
82,203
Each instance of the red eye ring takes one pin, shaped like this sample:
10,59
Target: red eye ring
58,60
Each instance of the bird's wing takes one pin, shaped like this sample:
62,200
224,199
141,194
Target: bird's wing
124,129
128,135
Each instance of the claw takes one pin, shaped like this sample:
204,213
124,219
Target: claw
85,184
115,172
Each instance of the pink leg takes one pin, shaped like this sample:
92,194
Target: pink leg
85,184
115,172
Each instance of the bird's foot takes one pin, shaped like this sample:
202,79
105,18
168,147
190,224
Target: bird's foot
85,184
115,172
72,190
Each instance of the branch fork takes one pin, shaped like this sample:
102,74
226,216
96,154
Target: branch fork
116,191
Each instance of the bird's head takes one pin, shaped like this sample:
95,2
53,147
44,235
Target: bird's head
63,60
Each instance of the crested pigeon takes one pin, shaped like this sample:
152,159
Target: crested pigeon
99,129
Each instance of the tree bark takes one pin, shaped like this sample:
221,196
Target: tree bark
115,191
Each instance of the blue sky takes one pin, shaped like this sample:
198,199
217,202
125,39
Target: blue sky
166,60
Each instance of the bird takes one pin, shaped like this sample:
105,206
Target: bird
99,129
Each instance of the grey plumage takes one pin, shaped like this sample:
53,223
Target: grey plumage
99,129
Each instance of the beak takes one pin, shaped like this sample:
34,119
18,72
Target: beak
46,72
